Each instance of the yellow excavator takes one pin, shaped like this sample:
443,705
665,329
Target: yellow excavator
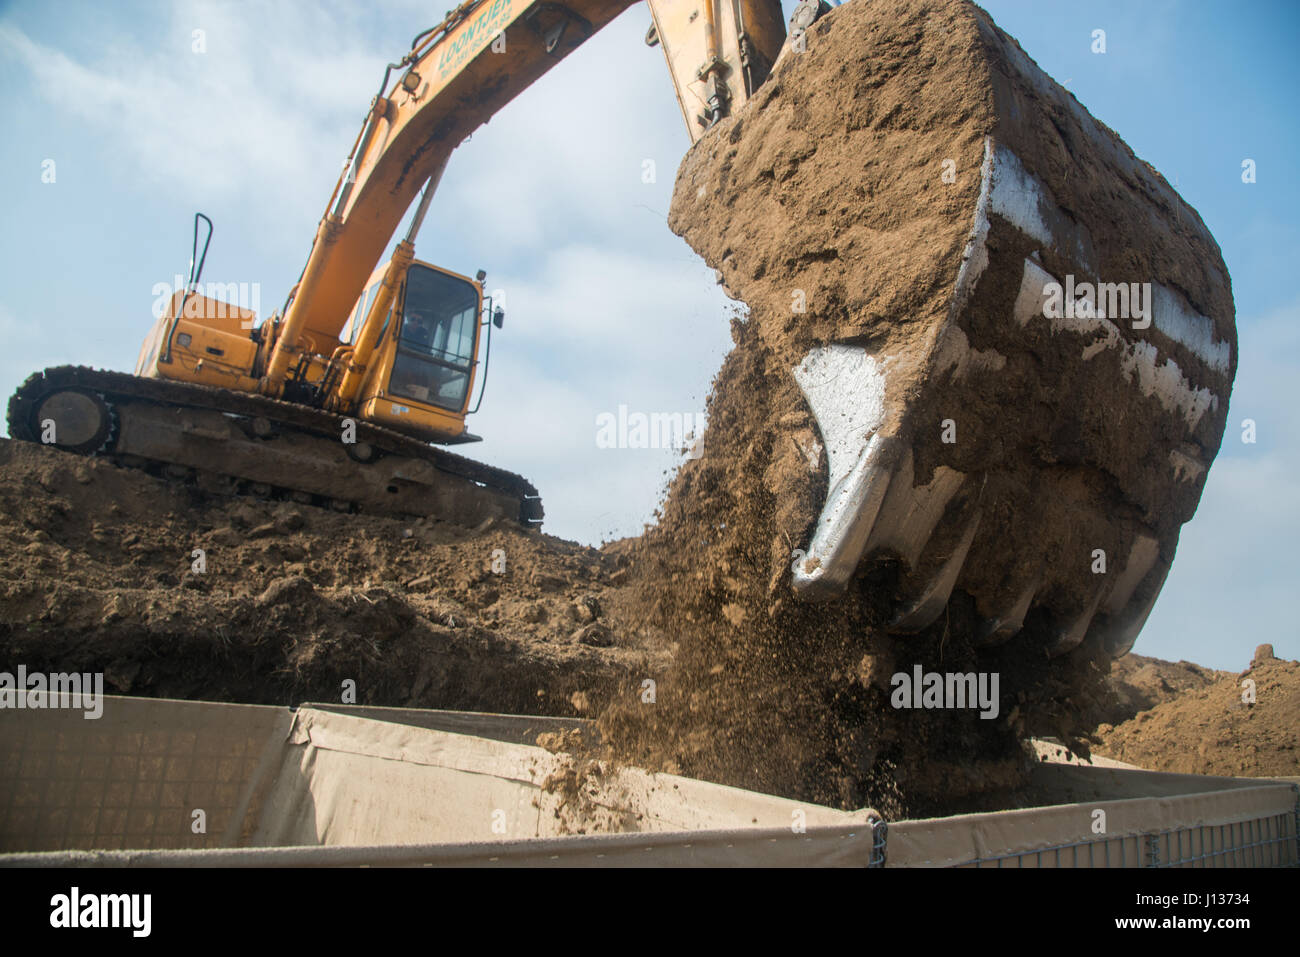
337,397
1087,433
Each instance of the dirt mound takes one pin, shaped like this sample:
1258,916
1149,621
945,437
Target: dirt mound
1247,724
102,571
1141,683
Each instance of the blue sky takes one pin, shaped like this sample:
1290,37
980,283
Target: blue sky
605,306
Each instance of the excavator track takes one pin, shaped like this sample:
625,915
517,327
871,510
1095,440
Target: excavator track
265,442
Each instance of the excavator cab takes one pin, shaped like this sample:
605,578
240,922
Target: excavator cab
426,356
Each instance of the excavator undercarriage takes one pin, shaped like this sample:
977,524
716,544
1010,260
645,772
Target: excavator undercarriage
244,442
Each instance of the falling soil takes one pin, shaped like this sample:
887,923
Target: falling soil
823,207
780,696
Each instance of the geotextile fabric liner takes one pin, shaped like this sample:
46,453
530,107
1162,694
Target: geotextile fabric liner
133,777
968,838
266,776
276,785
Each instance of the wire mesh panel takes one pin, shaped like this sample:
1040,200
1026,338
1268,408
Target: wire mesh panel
1257,842
126,780
1180,821
1260,842
1126,851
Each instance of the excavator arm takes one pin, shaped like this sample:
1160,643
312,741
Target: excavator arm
455,77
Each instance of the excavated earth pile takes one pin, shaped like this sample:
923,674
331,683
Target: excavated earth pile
100,574
891,207
1246,724
1142,683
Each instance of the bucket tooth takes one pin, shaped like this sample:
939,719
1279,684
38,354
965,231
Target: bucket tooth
930,604
1071,635
1008,624
845,388
1142,557
910,512
1124,626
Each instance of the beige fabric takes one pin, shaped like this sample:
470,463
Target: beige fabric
265,776
350,780
1065,784
335,785
134,777
511,728
955,841
840,846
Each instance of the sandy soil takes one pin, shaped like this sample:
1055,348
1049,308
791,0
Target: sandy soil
1195,721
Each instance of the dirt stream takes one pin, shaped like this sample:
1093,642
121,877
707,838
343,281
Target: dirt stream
685,644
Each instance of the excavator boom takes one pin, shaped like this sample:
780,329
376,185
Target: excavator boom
455,78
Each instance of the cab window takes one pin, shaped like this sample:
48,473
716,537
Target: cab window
436,340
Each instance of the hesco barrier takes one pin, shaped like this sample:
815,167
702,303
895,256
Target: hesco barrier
163,783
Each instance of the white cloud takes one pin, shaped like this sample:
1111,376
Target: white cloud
545,429
187,121
566,157
616,303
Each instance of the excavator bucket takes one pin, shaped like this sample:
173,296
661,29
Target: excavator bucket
1017,340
